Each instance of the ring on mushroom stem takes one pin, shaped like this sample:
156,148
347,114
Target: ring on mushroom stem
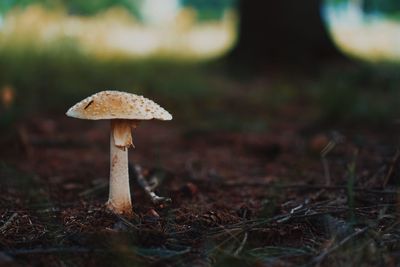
121,131
125,111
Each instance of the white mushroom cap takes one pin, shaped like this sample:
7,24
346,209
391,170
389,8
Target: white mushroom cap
117,105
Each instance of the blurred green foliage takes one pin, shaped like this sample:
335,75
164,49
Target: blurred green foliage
385,7
206,9
87,7
389,8
360,93
203,94
55,77
91,7
209,10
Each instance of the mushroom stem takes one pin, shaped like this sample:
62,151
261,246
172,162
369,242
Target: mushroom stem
119,200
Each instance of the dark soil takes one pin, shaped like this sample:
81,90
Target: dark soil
238,199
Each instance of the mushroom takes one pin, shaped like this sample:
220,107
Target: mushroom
125,111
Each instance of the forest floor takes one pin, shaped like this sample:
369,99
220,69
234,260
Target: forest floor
285,189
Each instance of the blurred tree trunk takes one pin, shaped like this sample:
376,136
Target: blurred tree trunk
287,32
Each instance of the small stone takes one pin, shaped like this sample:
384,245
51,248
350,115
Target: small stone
318,143
152,213
151,216
244,212
189,189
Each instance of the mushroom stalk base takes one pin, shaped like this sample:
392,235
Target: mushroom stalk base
120,197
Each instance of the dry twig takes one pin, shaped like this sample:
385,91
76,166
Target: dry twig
240,248
320,258
8,222
336,139
148,189
393,163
